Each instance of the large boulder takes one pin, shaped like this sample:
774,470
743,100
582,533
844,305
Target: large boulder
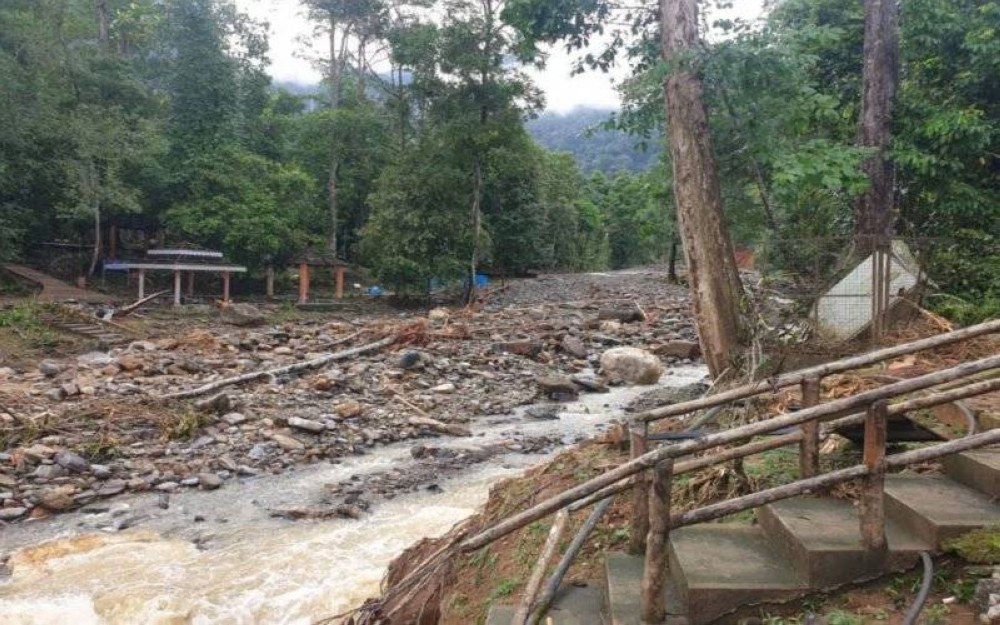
632,365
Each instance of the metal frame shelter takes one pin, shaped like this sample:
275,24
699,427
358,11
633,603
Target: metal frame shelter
180,261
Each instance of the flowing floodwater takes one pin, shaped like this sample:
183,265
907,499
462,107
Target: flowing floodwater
220,557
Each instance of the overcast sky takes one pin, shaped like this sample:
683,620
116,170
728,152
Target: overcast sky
290,52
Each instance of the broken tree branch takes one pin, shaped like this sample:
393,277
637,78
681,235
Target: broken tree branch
315,363
126,310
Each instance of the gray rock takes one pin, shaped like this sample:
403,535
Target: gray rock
234,418
444,389
258,451
10,514
553,385
574,346
55,394
57,499
590,383
410,360
306,424
49,471
543,412
72,461
287,442
209,481
95,359
111,487
219,404
100,471
49,369
632,365
202,441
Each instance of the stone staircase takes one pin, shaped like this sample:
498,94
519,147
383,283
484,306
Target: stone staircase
797,547
70,321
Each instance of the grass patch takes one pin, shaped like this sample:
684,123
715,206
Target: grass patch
185,425
980,546
24,321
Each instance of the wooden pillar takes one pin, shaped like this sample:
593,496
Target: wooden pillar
338,274
142,283
640,492
303,283
177,287
653,606
269,281
809,447
872,504
113,242
225,287
190,284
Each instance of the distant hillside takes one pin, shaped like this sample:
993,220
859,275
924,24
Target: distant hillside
604,151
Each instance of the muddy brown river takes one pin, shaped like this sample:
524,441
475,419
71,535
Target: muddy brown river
221,557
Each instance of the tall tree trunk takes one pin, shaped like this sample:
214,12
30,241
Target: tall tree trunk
362,78
334,78
874,210
103,21
713,278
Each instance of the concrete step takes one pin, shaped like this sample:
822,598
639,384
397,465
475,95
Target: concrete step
573,605
978,469
936,508
624,575
821,537
719,568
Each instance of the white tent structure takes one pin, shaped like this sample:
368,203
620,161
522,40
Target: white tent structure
845,311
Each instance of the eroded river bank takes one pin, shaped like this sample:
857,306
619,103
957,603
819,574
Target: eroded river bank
223,555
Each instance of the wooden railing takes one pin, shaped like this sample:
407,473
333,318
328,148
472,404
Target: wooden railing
649,473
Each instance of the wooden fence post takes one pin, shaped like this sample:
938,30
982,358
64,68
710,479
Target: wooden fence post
872,504
653,607
640,492
809,447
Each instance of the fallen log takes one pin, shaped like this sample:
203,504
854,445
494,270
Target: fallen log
315,363
452,429
127,310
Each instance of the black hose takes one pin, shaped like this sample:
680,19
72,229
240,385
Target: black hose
925,589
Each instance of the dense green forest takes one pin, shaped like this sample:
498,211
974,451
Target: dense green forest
426,169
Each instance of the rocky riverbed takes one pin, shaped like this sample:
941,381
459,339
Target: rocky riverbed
89,427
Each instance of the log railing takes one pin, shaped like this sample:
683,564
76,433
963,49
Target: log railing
652,520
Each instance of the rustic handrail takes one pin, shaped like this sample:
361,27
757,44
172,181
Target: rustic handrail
646,461
750,449
653,521
820,371
715,511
